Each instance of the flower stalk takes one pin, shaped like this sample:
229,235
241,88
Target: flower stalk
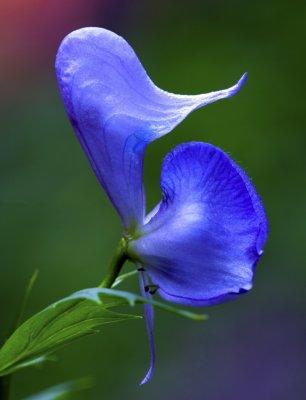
120,257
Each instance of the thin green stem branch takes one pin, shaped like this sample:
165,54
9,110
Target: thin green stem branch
25,299
116,264
5,381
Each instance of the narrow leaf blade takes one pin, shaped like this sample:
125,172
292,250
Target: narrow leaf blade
80,314
57,325
63,390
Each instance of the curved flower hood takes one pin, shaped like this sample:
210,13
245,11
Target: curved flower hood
116,110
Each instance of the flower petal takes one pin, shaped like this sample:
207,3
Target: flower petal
116,110
149,316
202,244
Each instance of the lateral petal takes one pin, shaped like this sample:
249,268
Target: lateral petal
203,242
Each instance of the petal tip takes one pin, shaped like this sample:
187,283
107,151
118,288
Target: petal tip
146,379
239,85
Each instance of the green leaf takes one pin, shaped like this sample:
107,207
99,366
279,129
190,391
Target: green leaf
75,316
100,294
123,277
35,362
63,390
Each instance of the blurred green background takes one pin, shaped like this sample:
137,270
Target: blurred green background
55,217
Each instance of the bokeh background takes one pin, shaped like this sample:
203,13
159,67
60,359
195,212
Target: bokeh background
55,217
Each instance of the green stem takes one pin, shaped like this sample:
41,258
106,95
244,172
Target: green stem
116,264
5,383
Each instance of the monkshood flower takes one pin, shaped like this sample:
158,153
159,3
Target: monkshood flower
201,243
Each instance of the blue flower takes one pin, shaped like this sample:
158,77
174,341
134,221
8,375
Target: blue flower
200,244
